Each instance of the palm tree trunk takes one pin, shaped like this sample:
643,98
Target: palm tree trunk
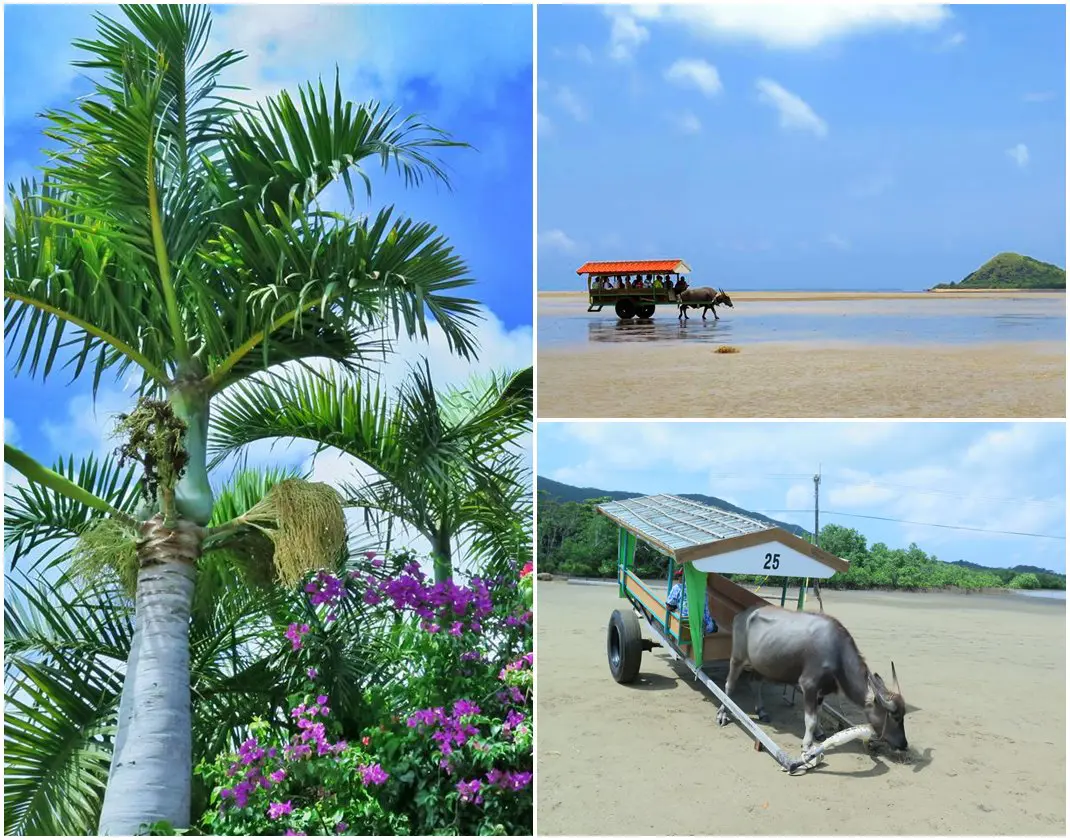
151,768
442,557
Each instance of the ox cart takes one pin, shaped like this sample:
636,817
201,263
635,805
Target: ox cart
706,543
634,288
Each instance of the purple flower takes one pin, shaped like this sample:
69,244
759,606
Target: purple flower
373,774
512,720
295,632
370,598
322,699
520,780
312,673
370,555
278,776
377,562
291,833
340,827
464,707
470,791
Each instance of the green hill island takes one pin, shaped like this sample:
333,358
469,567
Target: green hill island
1010,271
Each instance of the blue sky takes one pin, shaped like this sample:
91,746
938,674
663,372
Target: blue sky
808,146
994,476
467,69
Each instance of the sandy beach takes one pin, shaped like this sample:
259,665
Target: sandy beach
983,677
797,379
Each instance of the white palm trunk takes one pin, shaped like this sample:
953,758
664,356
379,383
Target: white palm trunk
152,762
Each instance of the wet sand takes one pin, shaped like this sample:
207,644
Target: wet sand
983,677
804,379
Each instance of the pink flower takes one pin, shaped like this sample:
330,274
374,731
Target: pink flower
373,774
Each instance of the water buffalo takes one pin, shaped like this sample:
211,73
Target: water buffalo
706,297
815,652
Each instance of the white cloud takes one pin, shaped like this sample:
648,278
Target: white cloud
689,123
558,240
378,48
794,112
544,124
837,241
695,72
88,426
11,432
625,34
580,52
571,104
798,26
1019,154
1038,96
956,39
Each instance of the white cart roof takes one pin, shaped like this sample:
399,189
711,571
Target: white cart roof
716,540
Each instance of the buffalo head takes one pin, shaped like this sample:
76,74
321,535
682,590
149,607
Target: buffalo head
722,297
886,711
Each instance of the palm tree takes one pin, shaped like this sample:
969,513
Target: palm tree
176,236
446,464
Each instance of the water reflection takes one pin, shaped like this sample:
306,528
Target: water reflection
659,329
741,326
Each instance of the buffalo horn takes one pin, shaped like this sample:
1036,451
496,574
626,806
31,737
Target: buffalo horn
895,679
879,693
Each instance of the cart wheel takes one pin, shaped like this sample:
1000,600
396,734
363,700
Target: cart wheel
624,644
625,309
646,311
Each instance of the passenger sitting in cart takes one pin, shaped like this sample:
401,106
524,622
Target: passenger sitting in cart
677,600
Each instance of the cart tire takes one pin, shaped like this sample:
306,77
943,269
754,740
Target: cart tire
625,309
624,645
647,310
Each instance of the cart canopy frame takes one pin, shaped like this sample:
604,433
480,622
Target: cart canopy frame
705,539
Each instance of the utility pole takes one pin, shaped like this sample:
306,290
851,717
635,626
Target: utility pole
817,483
817,529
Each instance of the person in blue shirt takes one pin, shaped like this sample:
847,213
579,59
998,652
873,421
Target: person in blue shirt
677,600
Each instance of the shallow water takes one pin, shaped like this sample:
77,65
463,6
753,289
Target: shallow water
874,321
1055,594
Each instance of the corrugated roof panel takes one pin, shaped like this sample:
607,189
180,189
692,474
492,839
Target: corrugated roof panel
679,523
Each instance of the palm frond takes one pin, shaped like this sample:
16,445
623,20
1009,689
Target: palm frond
284,153
62,659
321,273
73,296
37,518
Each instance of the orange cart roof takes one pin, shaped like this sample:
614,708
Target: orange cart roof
634,266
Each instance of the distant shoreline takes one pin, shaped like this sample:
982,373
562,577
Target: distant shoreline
793,591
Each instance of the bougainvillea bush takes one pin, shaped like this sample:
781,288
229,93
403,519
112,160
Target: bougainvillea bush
439,741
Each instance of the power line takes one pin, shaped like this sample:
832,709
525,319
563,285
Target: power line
870,483
954,495
926,524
